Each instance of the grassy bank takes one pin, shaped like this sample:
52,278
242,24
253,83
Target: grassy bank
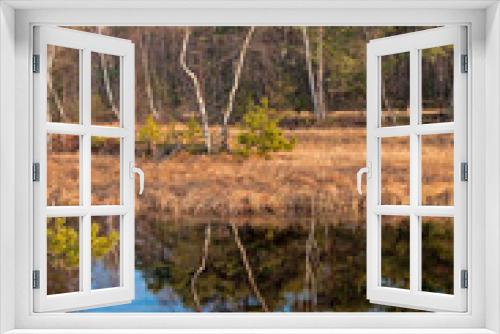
317,178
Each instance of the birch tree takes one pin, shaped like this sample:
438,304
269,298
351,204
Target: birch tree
232,94
107,84
147,77
310,71
199,95
51,53
321,71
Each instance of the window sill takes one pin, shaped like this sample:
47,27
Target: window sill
254,331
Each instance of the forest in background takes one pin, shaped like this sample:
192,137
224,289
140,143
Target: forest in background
275,67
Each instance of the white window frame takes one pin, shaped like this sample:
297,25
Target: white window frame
484,312
413,44
85,43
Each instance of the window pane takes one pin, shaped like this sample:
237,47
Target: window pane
63,255
105,89
105,171
395,89
105,252
437,84
63,170
395,252
63,84
437,169
395,178
437,254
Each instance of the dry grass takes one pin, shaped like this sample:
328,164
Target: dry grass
317,178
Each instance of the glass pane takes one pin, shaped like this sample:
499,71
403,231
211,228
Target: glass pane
63,255
437,169
437,254
105,89
63,84
395,178
395,251
437,84
105,171
105,252
395,89
63,170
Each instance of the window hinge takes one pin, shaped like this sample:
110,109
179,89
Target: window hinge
36,63
36,279
464,172
465,63
465,279
36,172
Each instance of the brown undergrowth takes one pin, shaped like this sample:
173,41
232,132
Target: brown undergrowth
317,178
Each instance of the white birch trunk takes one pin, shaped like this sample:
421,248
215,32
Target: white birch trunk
147,78
51,51
199,96
107,85
321,71
232,94
201,268
310,71
253,284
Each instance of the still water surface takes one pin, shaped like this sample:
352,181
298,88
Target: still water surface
308,265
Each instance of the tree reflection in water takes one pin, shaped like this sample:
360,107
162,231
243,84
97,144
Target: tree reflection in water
303,265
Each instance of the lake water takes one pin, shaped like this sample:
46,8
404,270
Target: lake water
308,265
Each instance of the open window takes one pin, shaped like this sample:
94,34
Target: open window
398,132
74,225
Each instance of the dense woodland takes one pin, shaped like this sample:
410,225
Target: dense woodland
321,69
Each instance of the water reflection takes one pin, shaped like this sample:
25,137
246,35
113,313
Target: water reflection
301,266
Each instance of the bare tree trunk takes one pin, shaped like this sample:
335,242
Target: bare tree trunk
321,71
202,267
310,277
201,102
147,78
248,268
386,102
237,74
310,71
107,85
51,52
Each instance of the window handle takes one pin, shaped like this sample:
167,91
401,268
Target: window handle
133,170
368,171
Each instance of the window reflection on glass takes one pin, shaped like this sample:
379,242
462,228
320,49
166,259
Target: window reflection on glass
105,171
437,169
63,170
105,89
437,254
63,84
105,238
395,244
395,170
63,255
437,84
395,89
